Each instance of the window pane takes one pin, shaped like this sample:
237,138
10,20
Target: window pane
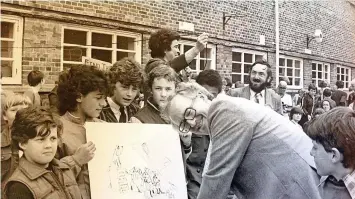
6,68
291,80
73,53
246,79
289,72
297,73
236,68
297,64
193,64
6,48
281,71
325,75
258,57
74,37
101,40
314,74
186,48
346,85
103,55
236,78
247,68
338,77
121,55
289,63
320,75
342,70
282,62
236,56
204,65
248,58
338,70
126,43
203,53
326,68
7,30
342,78
346,71
320,67
346,79
297,81
314,66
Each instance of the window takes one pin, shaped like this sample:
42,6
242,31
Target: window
104,45
320,71
292,68
205,59
241,63
11,49
344,74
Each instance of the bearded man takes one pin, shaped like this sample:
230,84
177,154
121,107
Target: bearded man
260,76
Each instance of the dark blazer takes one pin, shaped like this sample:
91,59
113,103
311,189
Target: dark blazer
107,114
271,98
258,153
340,97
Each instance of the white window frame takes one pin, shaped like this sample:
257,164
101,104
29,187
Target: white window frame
17,50
242,73
198,57
349,75
293,71
89,30
327,79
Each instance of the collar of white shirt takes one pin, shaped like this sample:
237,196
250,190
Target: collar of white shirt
114,107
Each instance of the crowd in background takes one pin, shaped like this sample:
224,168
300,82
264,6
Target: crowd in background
222,128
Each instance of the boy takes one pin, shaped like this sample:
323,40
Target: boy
126,79
10,103
81,98
333,135
35,131
35,79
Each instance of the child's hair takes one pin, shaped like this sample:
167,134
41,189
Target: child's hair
10,99
295,110
336,129
318,111
81,80
312,87
126,71
35,77
161,71
33,121
211,78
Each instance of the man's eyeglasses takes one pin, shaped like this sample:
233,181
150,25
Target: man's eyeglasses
189,114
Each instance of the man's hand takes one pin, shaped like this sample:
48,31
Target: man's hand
186,139
85,153
202,41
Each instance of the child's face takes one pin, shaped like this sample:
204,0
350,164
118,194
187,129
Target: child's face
296,117
41,150
162,89
323,159
10,113
124,94
92,103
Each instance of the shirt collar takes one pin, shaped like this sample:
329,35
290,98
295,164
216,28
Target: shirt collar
349,181
114,107
253,93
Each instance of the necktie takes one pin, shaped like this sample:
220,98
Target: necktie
123,116
257,98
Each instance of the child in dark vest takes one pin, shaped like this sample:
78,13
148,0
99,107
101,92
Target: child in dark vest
333,135
39,175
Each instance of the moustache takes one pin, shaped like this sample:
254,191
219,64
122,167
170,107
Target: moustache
256,80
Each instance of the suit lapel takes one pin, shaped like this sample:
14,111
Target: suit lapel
246,92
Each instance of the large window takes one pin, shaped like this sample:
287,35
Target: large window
241,63
293,69
320,71
205,59
104,45
11,49
344,74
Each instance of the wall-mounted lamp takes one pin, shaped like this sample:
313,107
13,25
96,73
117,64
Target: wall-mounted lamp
318,36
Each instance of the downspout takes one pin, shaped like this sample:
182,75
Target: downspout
277,41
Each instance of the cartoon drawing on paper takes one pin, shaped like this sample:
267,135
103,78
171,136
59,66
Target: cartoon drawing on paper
138,179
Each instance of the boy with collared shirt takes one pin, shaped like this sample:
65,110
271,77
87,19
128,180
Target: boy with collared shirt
126,79
81,98
39,175
333,135
35,79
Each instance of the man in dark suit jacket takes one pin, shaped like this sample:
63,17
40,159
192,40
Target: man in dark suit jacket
254,150
260,76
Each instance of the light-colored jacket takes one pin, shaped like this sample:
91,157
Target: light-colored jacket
258,153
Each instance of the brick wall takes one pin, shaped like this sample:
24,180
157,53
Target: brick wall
43,21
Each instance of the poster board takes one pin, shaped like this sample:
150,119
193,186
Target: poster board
101,65
140,161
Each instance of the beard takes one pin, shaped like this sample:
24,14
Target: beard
257,88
